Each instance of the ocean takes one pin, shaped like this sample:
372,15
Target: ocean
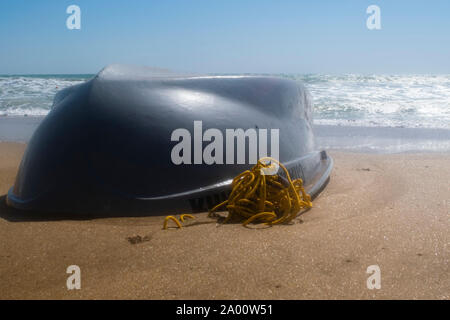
407,101
413,101
32,95
348,109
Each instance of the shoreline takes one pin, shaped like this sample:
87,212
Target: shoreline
383,140
378,140
390,210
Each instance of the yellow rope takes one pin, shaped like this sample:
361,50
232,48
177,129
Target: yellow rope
174,219
186,216
265,198
166,220
258,197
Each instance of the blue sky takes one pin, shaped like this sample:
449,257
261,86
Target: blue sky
229,36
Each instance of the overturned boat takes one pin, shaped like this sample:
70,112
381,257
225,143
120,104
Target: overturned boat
134,141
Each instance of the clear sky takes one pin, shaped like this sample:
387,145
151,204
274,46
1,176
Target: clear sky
226,36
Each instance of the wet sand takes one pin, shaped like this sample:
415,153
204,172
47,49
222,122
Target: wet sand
387,210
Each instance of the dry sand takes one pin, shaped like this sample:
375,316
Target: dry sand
386,210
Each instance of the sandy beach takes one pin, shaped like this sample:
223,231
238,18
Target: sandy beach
387,210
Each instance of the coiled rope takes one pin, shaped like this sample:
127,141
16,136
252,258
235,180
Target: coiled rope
259,197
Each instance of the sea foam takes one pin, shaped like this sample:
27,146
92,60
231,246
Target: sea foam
410,101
